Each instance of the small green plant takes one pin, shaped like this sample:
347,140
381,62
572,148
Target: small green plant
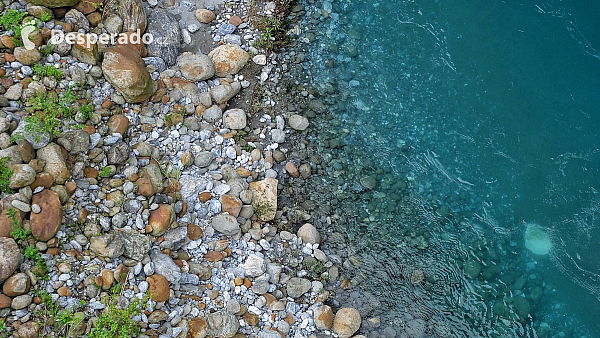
33,254
105,172
18,233
47,49
45,17
47,70
98,6
117,322
5,175
46,111
265,41
261,209
86,110
12,20
62,321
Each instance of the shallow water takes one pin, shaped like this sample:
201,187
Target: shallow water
474,120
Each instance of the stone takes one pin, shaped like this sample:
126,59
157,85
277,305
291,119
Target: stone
31,329
87,6
131,12
174,238
522,307
204,159
234,119
205,15
78,140
264,198
231,205
45,224
136,245
233,306
197,328
196,67
212,114
55,163
157,316
25,150
222,93
296,287
158,286
118,123
152,173
226,224
228,59
6,222
16,285
36,139
309,234
164,265
108,246
10,255
161,218
323,317
23,175
26,56
86,50
5,301
222,324
291,168
118,153
14,92
251,318
298,122
54,3
77,20
167,35
260,59
346,322
254,266
21,302
125,70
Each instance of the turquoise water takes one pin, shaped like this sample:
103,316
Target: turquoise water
474,119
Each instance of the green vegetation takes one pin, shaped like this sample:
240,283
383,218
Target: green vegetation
22,237
86,110
105,172
12,20
117,322
47,49
62,321
5,175
18,233
45,17
266,40
46,109
262,208
47,70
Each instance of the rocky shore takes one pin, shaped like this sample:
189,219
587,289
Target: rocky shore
147,190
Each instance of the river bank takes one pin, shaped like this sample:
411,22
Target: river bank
144,186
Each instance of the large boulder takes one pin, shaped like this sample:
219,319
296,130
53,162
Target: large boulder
9,257
124,68
264,198
55,163
165,29
196,67
45,224
346,322
228,59
53,3
131,13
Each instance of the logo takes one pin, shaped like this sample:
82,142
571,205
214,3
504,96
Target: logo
28,28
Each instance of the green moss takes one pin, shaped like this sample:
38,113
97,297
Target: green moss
5,175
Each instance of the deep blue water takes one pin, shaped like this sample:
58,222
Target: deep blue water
499,104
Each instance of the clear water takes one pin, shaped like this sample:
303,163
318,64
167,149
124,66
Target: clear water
488,113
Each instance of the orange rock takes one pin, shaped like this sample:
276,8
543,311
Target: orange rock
158,286
204,196
290,167
64,291
46,223
213,256
231,205
235,20
250,318
42,179
194,232
118,123
161,218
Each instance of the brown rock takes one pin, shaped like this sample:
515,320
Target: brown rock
71,187
161,218
145,187
157,316
346,322
31,329
290,167
231,205
25,150
5,301
108,278
134,43
204,196
45,224
205,16
88,6
6,222
86,51
158,286
16,285
64,291
194,232
228,59
323,317
125,70
9,257
26,56
197,327
118,124
42,179
235,20
250,318
213,256
55,162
